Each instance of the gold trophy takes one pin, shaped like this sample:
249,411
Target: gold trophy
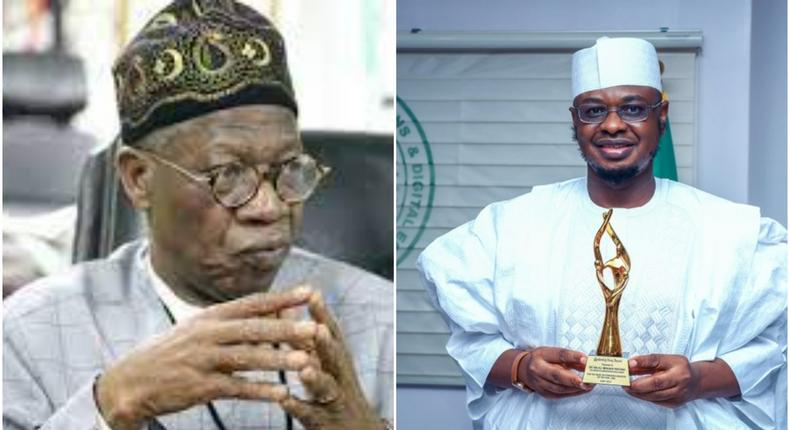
608,366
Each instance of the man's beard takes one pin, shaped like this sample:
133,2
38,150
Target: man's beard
620,175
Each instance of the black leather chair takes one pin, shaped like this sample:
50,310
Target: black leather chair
50,84
350,217
42,154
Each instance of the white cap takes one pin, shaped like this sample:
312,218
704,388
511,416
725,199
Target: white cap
613,62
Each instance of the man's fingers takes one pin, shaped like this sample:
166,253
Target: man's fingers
226,386
329,340
565,356
558,375
292,314
321,314
258,330
549,388
308,414
648,384
322,387
252,357
260,304
643,364
554,380
330,351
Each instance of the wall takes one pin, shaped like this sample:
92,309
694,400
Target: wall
768,105
432,408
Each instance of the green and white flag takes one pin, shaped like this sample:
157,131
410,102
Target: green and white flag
664,165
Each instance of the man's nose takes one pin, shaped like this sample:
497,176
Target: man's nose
265,206
613,124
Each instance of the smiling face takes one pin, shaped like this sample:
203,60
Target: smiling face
204,251
616,150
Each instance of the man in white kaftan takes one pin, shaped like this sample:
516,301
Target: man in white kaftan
707,281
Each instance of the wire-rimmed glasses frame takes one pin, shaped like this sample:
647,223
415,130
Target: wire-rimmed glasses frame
621,110
244,184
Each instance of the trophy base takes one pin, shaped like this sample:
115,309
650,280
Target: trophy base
606,370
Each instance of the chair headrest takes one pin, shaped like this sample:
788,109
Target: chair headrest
51,84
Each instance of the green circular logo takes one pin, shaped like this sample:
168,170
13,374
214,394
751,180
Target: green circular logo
415,180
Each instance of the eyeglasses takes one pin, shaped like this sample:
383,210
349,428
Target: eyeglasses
596,113
234,184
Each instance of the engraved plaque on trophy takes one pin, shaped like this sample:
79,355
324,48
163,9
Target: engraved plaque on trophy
608,365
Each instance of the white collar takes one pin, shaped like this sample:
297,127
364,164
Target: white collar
180,309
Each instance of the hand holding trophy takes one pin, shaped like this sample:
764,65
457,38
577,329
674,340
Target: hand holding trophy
608,366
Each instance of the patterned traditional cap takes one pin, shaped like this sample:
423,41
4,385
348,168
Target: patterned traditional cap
196,57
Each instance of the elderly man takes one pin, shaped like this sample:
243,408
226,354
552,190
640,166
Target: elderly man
703,318
214,322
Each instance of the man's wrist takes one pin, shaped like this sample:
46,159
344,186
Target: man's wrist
118,412
697,369
515,371
713,378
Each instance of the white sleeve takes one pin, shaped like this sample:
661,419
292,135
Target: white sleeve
759,364
27,407
458,270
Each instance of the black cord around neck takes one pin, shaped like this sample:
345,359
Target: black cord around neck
215,416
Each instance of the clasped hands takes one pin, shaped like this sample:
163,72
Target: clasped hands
195,362
670,381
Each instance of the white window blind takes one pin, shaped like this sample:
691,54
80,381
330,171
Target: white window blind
497,123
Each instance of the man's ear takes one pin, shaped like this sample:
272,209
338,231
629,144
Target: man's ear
136,174
662,117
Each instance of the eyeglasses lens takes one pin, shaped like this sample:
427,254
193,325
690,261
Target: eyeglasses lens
235,184
596,113
298,179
